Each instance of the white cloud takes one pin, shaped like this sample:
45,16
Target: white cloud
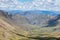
34,5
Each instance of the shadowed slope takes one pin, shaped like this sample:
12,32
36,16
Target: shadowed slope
54,21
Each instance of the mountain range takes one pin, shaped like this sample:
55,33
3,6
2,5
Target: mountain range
28,25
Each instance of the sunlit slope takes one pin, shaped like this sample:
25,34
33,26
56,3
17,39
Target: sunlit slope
9,31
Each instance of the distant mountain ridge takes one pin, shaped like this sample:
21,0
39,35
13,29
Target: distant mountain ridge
31,17
33,11
36,17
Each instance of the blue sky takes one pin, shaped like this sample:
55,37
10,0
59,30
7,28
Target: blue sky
25,0
52,5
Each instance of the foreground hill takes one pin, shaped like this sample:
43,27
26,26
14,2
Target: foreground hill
10,31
